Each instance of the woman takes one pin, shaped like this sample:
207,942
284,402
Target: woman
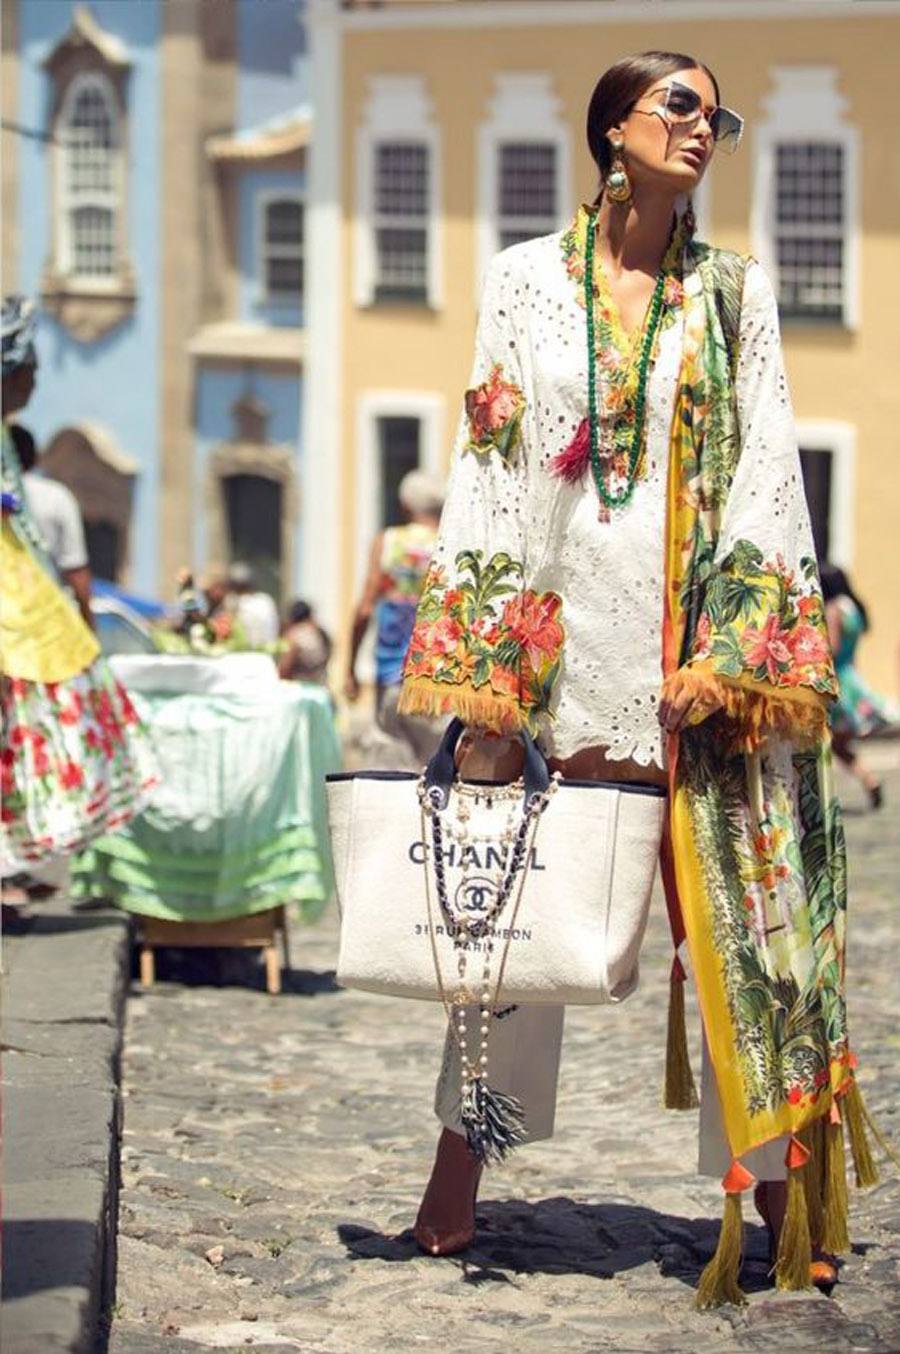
625,567
859,712
75,763
398,564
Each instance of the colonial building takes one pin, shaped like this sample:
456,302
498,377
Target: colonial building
154,182
448,130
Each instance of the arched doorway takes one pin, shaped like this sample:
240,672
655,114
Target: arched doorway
101,476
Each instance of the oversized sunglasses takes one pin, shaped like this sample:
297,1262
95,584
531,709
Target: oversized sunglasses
682,106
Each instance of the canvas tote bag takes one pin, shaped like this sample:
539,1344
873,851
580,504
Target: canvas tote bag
432,885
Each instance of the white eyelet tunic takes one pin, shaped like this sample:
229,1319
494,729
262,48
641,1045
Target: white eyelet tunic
610,574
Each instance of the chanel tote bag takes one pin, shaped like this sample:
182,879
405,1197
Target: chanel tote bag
459,891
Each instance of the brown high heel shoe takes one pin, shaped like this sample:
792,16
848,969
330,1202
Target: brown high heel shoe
823,1271
452,1151
437,1243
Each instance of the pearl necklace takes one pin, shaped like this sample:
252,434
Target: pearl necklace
493,1121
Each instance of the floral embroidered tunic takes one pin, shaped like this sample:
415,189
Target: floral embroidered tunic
533,601
537,614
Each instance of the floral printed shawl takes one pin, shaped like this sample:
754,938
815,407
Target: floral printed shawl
758,888
755,828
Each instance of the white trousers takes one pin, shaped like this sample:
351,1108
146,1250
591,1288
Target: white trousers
525,1045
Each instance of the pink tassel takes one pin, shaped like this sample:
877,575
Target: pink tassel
572,463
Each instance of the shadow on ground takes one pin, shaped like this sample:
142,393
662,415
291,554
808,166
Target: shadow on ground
562,1236
45,1253
202,967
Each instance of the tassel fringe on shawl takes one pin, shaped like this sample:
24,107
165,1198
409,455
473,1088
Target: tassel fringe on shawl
817,1201
680,1089
753,710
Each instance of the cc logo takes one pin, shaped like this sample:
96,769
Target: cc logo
475,895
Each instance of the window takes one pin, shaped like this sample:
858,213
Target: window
398,447
88,283
816,465
527,191
827,459
89,190
805,227
809,229
283,264
397,232
524,165
401,221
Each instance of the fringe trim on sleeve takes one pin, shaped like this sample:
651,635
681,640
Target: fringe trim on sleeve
755,709
486,709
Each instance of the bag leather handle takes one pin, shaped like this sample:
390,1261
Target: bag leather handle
441,772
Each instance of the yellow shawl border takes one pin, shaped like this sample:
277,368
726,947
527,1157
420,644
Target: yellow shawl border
42,636
816,1128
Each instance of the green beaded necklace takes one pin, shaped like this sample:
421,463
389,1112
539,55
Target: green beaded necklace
608,499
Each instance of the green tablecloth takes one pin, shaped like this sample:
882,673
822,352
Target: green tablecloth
238,824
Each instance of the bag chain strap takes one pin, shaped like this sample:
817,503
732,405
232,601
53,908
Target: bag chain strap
493,1121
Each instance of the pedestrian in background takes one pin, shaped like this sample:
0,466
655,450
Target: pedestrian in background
58,519
398,564
859,712
308,647
74,756
254,610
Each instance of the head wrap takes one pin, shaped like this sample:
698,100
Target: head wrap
18,334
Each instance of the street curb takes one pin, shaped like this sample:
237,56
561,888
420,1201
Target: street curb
66,979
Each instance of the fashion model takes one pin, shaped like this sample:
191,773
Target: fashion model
625,568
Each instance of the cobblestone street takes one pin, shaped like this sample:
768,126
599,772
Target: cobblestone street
275,1149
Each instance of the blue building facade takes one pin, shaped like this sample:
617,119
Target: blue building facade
160,175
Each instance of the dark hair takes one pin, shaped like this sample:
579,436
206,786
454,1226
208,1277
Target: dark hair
23,442
620,87
835,583
299,611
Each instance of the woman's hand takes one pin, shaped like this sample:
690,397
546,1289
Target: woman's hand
683,705
481,755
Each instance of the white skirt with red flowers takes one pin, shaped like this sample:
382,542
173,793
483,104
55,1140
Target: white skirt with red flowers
75,760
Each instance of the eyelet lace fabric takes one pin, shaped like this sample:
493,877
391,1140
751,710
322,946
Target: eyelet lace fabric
609,574
612,664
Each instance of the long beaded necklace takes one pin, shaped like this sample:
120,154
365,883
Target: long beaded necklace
602,460
493,1121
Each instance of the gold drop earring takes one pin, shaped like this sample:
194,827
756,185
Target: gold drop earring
618,184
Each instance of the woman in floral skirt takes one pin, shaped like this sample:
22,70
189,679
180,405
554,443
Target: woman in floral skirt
74,758
625,568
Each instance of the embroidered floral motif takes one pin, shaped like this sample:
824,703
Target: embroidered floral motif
762,621
494,410
673,292
488,632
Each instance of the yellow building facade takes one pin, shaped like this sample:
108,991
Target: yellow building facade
445,130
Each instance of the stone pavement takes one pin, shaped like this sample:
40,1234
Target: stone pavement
275,1148
64,979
